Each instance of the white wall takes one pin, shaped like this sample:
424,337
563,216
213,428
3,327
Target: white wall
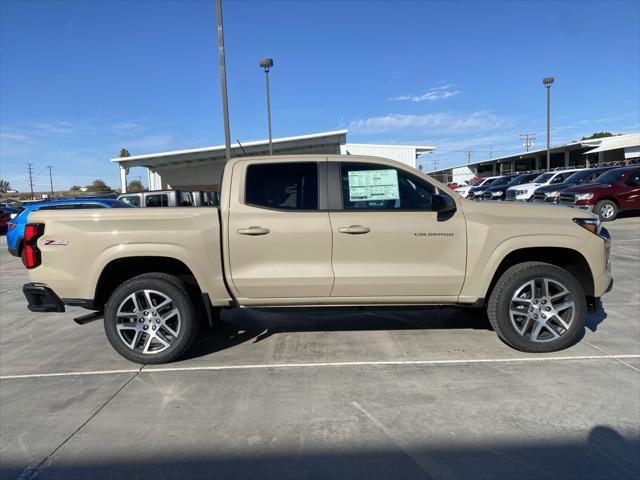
406,155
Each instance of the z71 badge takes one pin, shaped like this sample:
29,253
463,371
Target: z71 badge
56,242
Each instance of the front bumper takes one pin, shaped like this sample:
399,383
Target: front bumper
41,298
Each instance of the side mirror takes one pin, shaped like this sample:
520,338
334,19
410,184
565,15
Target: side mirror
442,204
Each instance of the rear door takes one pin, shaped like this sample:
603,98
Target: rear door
387,240
279,236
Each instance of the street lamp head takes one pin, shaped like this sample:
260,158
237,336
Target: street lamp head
547,81
266,63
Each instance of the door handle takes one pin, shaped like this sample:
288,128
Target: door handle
354,230
253,231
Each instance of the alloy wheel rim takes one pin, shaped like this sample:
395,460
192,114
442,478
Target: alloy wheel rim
542,310
606,211
148,322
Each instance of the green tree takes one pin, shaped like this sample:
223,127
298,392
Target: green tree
598,135
4,186
75,188
98,186
135,186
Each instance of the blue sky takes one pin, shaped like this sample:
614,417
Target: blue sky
80,80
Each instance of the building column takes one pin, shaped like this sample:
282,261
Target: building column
513,166
494,170
537,163
600,158
123,179
154,180
566,159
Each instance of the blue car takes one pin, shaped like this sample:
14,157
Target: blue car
15,228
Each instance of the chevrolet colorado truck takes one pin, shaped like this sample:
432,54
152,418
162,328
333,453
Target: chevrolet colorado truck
318,232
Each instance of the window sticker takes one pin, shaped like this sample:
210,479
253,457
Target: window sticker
367,185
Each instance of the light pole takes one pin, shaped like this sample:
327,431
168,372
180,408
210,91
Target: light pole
267,63
547,81
223,83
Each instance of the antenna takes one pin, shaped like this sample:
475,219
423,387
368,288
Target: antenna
243,151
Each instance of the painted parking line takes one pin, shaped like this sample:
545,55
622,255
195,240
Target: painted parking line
144,370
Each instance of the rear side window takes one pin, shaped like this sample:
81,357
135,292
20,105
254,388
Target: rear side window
285,186
160,200
185,199
377,187
135,201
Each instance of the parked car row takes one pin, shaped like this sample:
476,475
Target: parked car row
171,198
605,191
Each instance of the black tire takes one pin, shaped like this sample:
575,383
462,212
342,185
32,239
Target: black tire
500,302
607,210
172,288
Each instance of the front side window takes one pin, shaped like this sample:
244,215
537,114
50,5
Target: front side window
133,200
377,187
285,186
159,200
186,200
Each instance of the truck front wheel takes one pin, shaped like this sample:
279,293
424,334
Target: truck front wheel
151,319
537,307
607,210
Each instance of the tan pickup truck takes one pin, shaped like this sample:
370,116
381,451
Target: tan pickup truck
319,231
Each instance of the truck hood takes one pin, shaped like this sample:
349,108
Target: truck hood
555,188
591,187
529,212
526,186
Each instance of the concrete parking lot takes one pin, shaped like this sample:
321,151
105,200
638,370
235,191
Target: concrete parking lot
382,394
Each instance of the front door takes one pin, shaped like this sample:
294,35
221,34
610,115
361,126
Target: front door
387,241
279,240
629,198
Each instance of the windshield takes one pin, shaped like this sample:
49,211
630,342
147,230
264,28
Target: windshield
583,176
520,179
543,178
500,181
611,176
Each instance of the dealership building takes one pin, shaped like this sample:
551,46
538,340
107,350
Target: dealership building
201,168
598,151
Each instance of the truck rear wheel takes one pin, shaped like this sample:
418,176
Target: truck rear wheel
607,210
537,307
151,319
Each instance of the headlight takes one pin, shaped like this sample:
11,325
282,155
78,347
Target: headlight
594,225
584,196
552,194
521,192
497,194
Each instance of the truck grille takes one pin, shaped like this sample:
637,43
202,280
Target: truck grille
511,195
487,196
568,198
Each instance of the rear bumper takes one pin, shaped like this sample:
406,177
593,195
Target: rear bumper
41,298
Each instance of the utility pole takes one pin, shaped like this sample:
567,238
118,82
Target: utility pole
469,152
527,140
435,162
50,180
490,153
223,82
30,167
547,82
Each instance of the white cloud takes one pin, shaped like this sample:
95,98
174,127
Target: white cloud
148,142
440,122
59,127
434,93
126,128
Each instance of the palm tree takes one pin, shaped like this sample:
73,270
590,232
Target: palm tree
4,186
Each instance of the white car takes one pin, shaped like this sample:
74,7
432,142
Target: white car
524,192
464,191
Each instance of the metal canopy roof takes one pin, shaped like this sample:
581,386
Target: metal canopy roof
612,143
281,145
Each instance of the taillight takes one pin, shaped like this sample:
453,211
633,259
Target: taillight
30,252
